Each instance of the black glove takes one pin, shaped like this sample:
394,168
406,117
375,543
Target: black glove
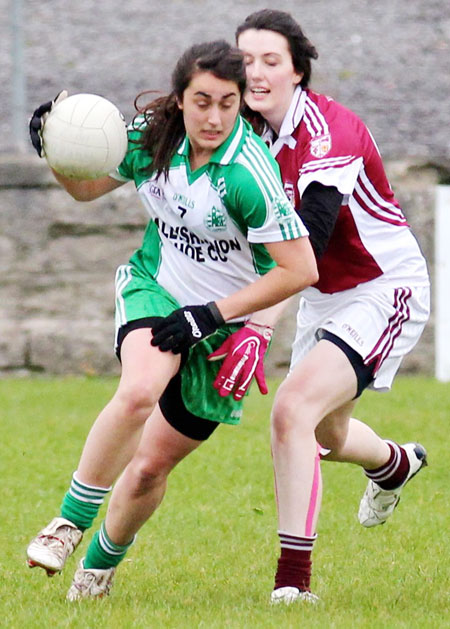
38,119
185,327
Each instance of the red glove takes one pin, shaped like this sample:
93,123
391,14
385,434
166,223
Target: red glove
244,351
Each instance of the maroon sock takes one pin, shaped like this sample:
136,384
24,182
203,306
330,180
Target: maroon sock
394,472
294,564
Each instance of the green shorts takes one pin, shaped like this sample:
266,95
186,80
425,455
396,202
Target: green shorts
137,298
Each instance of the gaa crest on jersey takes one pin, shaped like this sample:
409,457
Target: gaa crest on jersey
282,209
216,220
155,190
321,145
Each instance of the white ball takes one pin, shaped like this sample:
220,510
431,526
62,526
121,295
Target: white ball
84,137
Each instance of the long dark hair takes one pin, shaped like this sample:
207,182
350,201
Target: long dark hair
163,120
301,49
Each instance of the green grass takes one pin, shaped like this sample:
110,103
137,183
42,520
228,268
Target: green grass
207,557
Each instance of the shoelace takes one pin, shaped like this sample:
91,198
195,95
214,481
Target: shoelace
384,499
53,542
56,543
89,583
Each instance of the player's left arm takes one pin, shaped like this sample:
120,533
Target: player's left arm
295,269
243,353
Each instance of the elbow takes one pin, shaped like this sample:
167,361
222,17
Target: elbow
313,275
80,196
310,271
79,189
312,280
308,276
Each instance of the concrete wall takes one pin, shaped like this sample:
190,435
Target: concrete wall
58,258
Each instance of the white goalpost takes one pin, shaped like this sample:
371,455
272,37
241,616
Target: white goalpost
442,284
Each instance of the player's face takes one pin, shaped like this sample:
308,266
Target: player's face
271,77
210,107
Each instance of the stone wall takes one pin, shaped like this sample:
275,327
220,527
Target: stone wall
58,258
387,61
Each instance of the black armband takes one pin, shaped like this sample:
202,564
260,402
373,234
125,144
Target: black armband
319,211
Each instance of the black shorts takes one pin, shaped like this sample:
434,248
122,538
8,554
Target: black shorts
171,402
364,373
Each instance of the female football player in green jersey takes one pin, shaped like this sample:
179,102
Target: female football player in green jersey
222,243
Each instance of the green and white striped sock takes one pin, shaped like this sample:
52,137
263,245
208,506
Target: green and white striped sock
82,503
103,553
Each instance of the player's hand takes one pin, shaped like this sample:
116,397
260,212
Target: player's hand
185,327
38,119
244,359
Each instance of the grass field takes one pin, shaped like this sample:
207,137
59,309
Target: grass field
207,558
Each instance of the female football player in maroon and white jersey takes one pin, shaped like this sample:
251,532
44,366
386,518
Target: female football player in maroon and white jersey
357,322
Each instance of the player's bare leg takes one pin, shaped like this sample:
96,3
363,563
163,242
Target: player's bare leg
136,496
142,486
115,434
110,445
388,465
308,394
350,440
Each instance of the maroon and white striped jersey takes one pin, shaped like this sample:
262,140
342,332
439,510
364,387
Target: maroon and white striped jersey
322,141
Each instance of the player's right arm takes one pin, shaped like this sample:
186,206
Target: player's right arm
90,189
79,189
87,189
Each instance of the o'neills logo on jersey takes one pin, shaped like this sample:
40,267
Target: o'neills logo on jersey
181,198
321,145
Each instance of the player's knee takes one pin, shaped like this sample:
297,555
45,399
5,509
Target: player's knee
290,413
144,475
332,432
333,437
137,401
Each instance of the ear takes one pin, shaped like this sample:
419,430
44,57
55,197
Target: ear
298,76
179,103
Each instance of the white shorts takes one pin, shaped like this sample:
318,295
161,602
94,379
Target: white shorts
381,323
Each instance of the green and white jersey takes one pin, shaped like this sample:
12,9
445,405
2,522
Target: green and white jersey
207,229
